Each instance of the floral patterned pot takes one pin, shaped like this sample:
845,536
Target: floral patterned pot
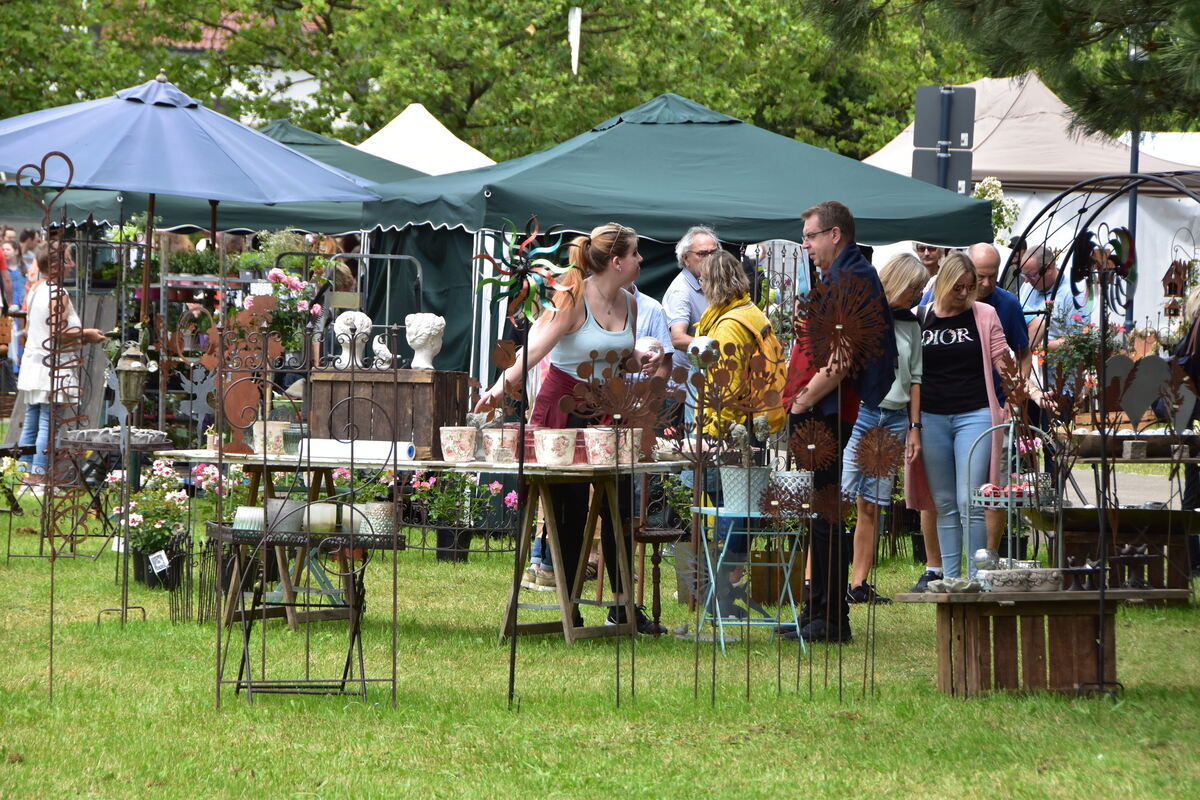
495,439
554,447
611,446
458,443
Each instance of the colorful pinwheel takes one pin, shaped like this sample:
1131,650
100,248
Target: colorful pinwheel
528,277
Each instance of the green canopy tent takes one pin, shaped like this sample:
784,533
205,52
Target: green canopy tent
105,207
671,163
661,167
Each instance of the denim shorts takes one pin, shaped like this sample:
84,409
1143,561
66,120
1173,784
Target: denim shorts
854,483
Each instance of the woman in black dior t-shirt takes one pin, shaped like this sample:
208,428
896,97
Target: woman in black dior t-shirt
960,342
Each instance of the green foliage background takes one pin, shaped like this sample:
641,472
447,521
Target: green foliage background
496,73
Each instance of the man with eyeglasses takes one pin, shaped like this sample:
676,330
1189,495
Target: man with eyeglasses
930,256
812,396
683,301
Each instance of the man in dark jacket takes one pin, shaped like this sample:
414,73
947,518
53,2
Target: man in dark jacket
870,365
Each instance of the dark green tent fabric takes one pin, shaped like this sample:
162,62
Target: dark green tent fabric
338,154
671,163
184,212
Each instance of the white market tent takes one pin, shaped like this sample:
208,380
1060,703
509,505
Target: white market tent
416,139
1023,137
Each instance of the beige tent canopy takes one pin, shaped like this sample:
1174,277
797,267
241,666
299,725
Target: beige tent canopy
415,138
1022,137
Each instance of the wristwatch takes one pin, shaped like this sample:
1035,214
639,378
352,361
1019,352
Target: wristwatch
915,426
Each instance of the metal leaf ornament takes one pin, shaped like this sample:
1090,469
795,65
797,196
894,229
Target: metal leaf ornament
1122,254
879,452
529,279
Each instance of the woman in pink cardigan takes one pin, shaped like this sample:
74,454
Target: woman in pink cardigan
961,341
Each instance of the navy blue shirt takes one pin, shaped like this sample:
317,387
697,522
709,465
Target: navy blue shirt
1012,318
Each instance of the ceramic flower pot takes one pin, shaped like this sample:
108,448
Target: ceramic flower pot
742,488
495,439
612,446
458,443
375,519
554,447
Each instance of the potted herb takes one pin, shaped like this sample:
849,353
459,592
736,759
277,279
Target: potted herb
454,503
158,517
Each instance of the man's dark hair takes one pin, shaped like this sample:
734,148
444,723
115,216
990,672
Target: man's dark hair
26,235
831,214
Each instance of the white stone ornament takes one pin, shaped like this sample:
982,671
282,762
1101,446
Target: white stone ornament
351,330
424,333
383,356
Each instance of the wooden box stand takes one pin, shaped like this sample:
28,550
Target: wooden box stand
1024,641
387,405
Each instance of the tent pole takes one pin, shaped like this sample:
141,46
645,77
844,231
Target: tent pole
145,306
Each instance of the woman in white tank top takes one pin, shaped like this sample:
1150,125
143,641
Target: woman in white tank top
597,313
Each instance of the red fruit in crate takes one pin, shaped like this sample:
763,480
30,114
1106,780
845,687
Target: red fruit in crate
989,490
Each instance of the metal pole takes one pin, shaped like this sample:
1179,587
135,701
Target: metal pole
943,154
1135,146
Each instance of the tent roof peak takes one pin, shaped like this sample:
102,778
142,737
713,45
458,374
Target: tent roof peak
668,109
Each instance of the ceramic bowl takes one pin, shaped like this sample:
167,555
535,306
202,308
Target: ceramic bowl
495,439
554,447
1045,580
458,442
1009,580
612,446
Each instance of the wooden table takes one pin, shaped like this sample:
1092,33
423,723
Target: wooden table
541,480
1025,641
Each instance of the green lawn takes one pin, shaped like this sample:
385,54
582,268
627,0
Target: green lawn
134,713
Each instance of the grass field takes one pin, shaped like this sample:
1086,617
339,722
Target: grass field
134,711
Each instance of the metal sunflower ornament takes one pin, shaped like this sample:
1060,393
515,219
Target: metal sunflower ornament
529,278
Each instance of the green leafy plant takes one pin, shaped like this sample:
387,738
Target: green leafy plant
452,498
158,511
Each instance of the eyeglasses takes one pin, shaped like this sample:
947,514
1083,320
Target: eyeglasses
808,237
925,248
704,253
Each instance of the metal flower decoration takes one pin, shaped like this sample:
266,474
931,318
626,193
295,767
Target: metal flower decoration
812,446
529,278
842,322
879,452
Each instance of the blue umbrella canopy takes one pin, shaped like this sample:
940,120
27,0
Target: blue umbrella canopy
155,139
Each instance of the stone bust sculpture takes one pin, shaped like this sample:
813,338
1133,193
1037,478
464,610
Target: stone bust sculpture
346,322
424,333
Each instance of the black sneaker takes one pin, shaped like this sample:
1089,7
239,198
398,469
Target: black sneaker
923,582
616,616
865,593
818,631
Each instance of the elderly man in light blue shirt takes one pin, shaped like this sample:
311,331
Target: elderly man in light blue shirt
684,302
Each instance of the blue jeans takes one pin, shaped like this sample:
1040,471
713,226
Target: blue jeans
854,482
945,447
36,431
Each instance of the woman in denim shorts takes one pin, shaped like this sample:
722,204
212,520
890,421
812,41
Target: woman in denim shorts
903,280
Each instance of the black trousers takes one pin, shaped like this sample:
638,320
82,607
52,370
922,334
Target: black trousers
831,544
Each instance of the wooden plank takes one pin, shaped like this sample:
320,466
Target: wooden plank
983,636
1004,652
1033,653
958,656
945,638
1063,642
971,650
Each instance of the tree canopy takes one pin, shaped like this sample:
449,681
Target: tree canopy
497,74
1119,64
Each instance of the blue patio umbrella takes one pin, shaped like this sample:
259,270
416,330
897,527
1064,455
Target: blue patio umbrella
155,139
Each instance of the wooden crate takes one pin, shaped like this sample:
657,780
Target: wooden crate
1014,641
388,405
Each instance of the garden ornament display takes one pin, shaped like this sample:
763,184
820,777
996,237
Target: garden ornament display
351,330
424,332
384,359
